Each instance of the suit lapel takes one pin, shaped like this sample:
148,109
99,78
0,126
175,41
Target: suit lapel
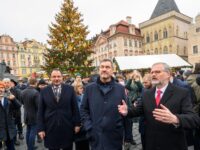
167,94
61,92
52,94
152,101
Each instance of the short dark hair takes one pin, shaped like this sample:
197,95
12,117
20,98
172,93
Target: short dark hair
32,81
56,69
107,60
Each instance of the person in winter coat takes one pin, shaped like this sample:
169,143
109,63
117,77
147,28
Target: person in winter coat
58,114
102,121
81,141
7,123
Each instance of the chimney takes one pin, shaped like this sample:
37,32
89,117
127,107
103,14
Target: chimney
128,19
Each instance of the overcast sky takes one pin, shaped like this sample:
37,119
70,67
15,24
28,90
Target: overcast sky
30,18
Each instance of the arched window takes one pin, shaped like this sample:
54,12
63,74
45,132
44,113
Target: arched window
165,34
156,36
147,38
165,50
125,52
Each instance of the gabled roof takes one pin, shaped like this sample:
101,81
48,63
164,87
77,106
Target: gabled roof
163,7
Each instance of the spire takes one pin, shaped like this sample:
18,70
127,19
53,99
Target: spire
164,6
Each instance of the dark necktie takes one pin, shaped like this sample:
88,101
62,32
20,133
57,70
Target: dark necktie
56,93
158,97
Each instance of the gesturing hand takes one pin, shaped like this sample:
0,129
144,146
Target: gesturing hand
123,109
164,115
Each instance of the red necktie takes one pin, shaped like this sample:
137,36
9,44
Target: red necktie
158,97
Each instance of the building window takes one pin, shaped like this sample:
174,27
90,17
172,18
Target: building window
148,39
131,52
136,45
140,44
165,50
195,49
198,29
13,55
125,42
125,52
165,34
130,43
8,63
156,36
14,63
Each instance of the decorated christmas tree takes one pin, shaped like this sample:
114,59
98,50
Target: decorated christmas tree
69,49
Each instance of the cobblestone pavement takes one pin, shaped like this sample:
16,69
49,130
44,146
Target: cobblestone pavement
133,147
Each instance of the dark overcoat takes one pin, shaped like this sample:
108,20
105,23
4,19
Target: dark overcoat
100,116
7,121
162,136
58,119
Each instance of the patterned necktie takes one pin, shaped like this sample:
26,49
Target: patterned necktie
56,93
158,97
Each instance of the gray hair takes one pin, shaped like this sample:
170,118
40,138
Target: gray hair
6,80
165,65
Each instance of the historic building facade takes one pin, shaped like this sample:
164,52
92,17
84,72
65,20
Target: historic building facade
121,39
194,42
8,53
166,32
30,56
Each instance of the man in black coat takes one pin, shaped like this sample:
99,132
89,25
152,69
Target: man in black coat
31,100
167,110
58,114
12,89
99,114
7,123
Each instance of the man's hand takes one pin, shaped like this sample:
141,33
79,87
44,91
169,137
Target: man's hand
42,135
77,129
123,109
11,97
164,115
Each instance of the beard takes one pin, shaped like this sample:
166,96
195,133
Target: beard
155,82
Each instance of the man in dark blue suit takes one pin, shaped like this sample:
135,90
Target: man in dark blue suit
58,114
101,119
167,110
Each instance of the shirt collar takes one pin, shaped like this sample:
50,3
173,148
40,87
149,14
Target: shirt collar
162,89
2,101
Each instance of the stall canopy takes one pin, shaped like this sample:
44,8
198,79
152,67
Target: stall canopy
146,61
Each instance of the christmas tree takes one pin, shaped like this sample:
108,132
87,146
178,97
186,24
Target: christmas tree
69,49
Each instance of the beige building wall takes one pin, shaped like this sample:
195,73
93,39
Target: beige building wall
174,40
30,55
194,42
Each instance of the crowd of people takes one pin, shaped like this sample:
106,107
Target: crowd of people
97,113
